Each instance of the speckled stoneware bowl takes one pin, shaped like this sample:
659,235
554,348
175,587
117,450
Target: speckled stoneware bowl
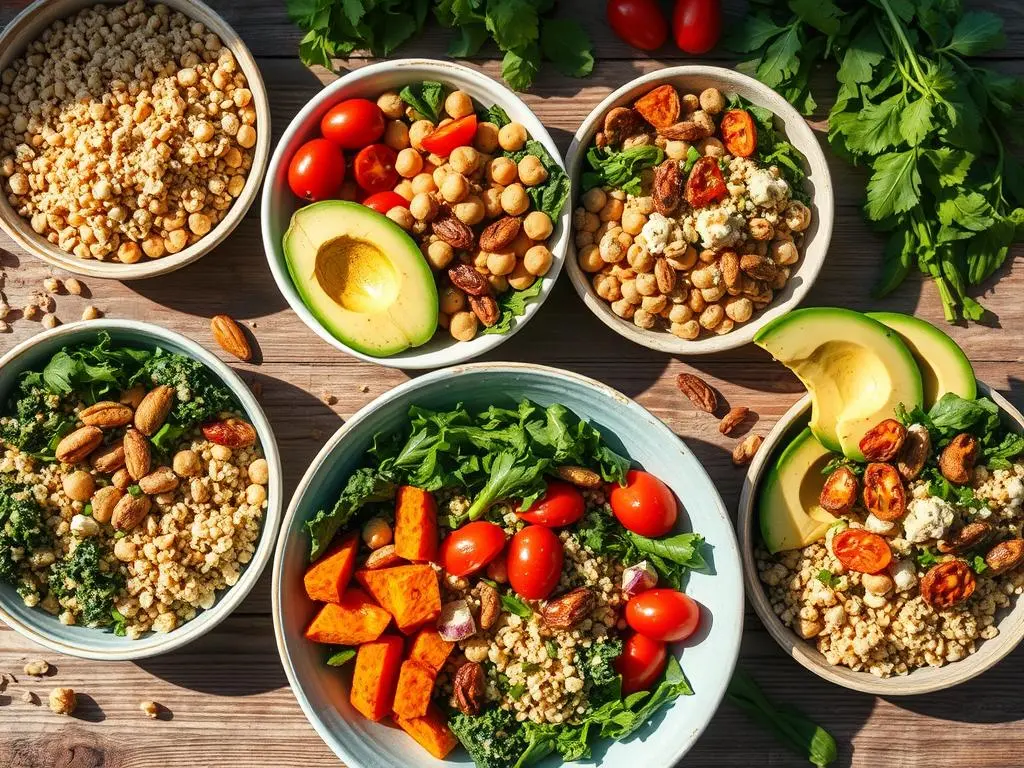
101,644
923,680
707,659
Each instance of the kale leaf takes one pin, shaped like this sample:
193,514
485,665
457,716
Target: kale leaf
79,575
493,739
21,530
199,394
364,487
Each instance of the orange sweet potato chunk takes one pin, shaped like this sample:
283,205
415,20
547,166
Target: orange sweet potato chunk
660,107
356,619
430,649
408,592
430,731
415,524
327,578
375,676
415,687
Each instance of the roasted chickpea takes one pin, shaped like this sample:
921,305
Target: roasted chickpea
690,102
401,216
682,260
470,211
451,299
463,326
654,304
677,150
712,101
404,188
784,252
714,293
643,319
512,137
624,309
502,171
492,202
607,287
408,163
589,259
391,105
711,147
458,104
680,313
612,210
520,278
633,221
537,260
464,160
797,216
695,301
537,225
739,308
531,171
396,135
423,207
486,139
377,533
480,261
440,174
454,188
594,199
423,182
688,330
418,132
514,200
725,326
712,316
502,263
761,229
640,258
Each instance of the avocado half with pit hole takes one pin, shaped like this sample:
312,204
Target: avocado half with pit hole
362,277
856,370
944,366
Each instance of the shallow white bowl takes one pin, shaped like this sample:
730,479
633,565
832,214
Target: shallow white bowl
369,82
695,78
707,659
100,644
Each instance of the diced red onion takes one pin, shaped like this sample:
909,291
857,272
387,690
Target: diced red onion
637,578
456,621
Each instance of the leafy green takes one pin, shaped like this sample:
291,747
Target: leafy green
621,170
925,558
426,97
496,115
341,657
955,494
198,394
38,421
513,304
512,604
337,28
364,486
672,557
978,564
838,461
549,197
21,529
93,371
826,577
493,739
80,576
118,623
597,663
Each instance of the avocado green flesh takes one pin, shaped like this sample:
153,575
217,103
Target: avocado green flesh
944,366
362,277
856,370
788,509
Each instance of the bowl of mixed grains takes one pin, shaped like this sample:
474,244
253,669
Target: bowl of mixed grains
133,136
140,490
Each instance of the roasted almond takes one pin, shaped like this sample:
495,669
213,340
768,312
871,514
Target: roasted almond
570,609
1005,556
486,309
744,451
883,441
732,277
468,280
947,584
160,480
579,476
499,234
137,459
130,511
231,337
884,495
231,432
383,557
733,419
108,459
956,462
758,267
453,231
917,447
76,446
839,493
490,606
968,537
152,411
468,688
698,391
121,480
106,414
668,187
103,503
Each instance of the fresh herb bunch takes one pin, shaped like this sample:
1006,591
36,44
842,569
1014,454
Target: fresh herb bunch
525,31
931,124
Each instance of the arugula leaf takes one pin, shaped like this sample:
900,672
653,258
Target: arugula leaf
621,170
513,304
496,114
682,549
514,605
427,98
510,475
1000,455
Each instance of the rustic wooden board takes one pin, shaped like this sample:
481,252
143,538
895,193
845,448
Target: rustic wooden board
227,701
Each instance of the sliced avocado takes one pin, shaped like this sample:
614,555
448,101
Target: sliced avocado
856,370
362,276
788,507
944,366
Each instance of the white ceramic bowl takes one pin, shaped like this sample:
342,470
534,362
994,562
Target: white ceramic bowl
922,680
100,644
707,659
695,78
26,27
369,82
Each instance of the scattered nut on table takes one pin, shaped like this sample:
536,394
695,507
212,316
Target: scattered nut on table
151,708
63,701
37,668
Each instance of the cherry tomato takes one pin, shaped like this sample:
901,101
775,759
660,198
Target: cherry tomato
534,562
374,167
645,505
705,184
560,505
663,614
317,170
739,132
458,133
469,548
639,23
641,663
382,202
353,123
697,24
861,550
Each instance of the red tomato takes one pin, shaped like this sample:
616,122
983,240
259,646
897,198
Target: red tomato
639,23
861,550
534,562
663,614
382,202
739,134
705,184
317,170
353,123
697,24
641,663
457,133
645,505
374,167
469,548
560,505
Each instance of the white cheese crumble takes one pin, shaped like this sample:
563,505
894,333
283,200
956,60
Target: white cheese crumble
877,525
904,574
765,190
717,229
656,233
927,519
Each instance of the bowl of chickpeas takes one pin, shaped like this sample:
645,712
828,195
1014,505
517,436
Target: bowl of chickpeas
460,164
702,209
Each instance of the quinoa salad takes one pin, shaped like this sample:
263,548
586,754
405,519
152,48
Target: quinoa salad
533,579
916,569
693,213
132,490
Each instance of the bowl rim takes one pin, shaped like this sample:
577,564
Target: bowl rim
427,381
231,597
455,352
937,678
18,228
823,203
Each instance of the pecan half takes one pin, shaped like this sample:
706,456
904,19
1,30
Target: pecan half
668,187
620,123
915,452
449,228
230,336
74,447
106,415
468,280
485,308
700,393
758,267
469,688
839,493
383,557
570,609
733,419
490,606
664,275
883,441
969,537
956,463
732,277
1005,555
884,495
579,476
160,480
687,130
744,451
947,584
500,233
152,411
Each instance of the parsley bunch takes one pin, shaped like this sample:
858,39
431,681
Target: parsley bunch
914,107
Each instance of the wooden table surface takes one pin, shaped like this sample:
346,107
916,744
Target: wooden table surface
226,697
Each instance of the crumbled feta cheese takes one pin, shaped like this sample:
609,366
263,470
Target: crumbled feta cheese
718,229
877,525
927,519
656,233
1015,490
904,574
765,189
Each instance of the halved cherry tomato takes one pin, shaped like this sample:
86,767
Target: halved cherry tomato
739,132
560,505
353,123
663,614
382,202
645,505
641,663
317,170
705,184
640,23
374,167
469,548
534,562
457,133
697,24
861,550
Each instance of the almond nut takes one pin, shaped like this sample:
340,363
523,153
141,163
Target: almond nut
486,309
839,493
468,688
76,446
153,410
581,477
130,511
383,557
490,606
103,503
231,337
883,441
106,415
700,394
758,267
121,480
452,230
468,280
1005,556
884,495
956,462
947,584
160,480
500,233
108,459
733,419
136,454
969,537
231,432
570,609
744,451
917,447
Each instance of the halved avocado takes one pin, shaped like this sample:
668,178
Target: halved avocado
856,370
788,508
362,276
944,366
